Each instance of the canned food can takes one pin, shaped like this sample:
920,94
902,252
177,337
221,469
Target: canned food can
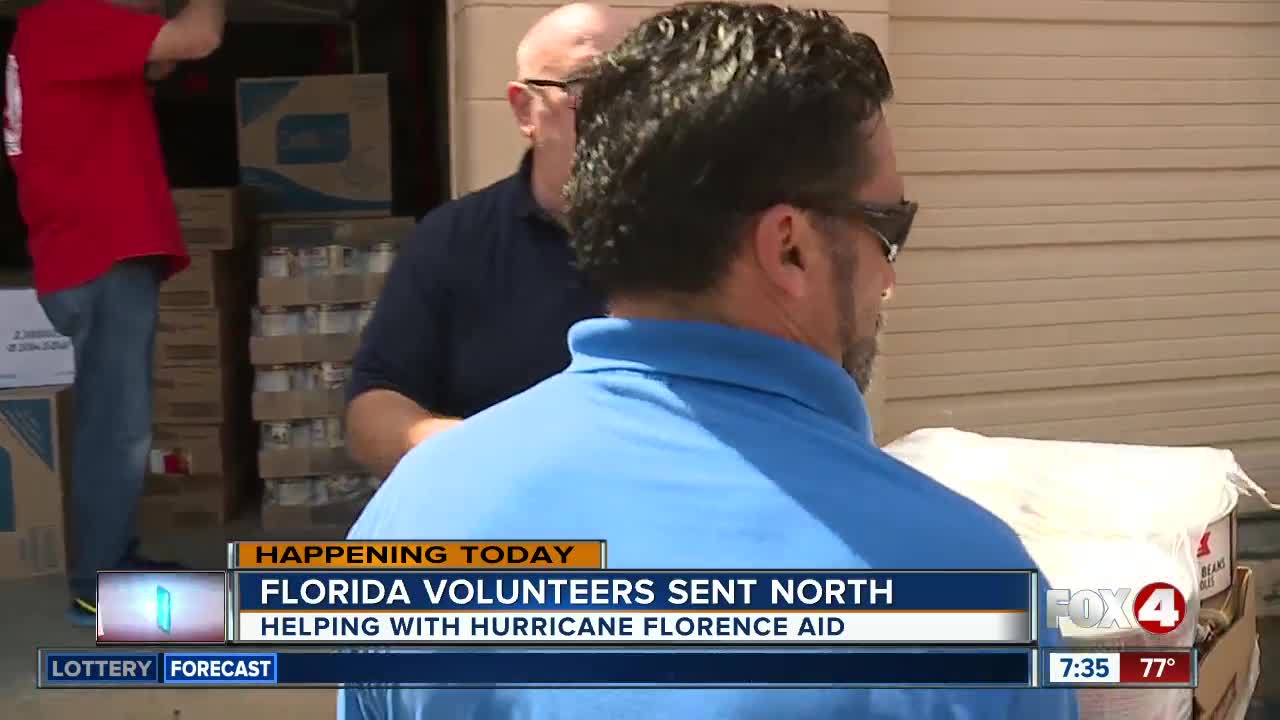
277,435
300,430
311,320
380,257
320,491
276,321
342,260
334,375
278,262
304,377
331,319
364,313
314,261
272,379
326,433
291,491
344,487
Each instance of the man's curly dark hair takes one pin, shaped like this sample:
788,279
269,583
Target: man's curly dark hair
708,113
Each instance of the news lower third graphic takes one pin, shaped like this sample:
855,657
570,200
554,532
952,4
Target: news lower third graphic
162,607
508,668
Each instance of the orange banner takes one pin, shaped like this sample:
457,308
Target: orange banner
421,555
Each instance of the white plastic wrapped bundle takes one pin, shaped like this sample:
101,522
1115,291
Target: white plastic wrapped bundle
1095,515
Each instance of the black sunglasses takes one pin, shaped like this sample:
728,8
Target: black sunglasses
571,87
890,223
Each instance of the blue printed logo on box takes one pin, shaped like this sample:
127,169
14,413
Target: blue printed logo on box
317,139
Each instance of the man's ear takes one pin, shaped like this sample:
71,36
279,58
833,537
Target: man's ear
521,102
776,244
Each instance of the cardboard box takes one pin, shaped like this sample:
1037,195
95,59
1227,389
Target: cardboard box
316,145
1226,664
329,520
356,232
300,462
201,501
211,218
32,353
291,349
201,338
299,404
199,395
196,450
334,289
214,280
35,457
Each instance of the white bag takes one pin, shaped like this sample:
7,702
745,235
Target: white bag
1095,515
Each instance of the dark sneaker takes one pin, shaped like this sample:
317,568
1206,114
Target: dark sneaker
82,613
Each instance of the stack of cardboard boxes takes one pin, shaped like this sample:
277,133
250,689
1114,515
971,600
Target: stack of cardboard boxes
36,365
200,456
1229,657
315,153
1227,627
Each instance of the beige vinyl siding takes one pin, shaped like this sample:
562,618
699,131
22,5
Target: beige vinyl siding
1097,253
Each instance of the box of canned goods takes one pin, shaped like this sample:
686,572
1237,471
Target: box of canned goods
380,257
285,435
303,434
326,433
329,319
330,259
272,379
301,377
364,313
292,491
334,375
277,321
347,487
278,262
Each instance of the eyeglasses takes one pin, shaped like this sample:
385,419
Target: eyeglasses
889,222
571,87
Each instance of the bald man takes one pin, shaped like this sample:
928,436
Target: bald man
478,304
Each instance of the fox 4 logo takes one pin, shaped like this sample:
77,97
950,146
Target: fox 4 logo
1158,608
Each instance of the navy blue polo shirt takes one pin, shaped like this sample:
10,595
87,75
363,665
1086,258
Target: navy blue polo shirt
477,305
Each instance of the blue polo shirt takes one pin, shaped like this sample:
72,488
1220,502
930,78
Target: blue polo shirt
476,307
690,445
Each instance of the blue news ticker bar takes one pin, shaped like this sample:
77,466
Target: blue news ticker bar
931,590
851,668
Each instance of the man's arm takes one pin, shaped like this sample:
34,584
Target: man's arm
194,33
396,373
105,39
385,425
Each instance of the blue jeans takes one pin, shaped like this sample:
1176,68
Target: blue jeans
112,325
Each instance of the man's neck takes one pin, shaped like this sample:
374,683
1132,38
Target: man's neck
724,307
667,306
547,192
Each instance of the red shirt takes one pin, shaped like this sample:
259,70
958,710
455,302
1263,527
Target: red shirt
81,136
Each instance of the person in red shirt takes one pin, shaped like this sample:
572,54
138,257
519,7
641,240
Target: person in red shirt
81,137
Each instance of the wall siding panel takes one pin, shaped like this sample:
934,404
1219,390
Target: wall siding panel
1097,255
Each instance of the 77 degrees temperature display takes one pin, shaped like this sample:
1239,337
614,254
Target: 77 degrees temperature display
1127,668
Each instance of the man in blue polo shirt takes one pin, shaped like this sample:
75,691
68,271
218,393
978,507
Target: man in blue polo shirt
476,307
736,196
